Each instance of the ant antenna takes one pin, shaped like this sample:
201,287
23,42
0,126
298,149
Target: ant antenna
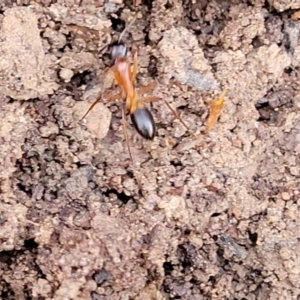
126,29
121,35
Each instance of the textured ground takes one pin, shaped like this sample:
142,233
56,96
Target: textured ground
220,214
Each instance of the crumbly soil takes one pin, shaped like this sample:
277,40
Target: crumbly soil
217,215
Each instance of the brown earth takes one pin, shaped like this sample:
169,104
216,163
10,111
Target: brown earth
220,214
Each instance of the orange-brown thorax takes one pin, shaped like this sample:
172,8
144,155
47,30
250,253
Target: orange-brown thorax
123,77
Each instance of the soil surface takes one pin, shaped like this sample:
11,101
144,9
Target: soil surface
217,215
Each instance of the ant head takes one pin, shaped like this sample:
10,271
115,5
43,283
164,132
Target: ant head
117,50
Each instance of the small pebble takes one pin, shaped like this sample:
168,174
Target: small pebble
237,143
66,74
285,196
48,129
100,276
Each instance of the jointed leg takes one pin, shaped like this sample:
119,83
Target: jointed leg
148,88
129,150
151,99
107,83
126,136
108,96
151,86
135,67
176,115
91,107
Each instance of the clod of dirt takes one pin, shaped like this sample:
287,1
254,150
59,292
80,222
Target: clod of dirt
229,244
78,61
121,263
49,129
244,27
24,69
101,276
296,57
282,5
14,125
149,292
274,33
56,39
164,15
183,59
66,74
174,207
90,16
255,73
291,35
291,40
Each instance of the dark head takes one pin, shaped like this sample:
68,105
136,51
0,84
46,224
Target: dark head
117,50
143,122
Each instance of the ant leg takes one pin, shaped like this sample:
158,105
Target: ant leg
151,86
147,88
129,150
107,82
174,112
135,67
126,136
91,107
176,115
108,96
151,99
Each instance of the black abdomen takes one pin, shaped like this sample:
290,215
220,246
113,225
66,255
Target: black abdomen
143,122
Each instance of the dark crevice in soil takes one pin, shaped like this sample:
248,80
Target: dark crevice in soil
215,215
6,257
212,279
186,253
24,258
117,24
176,163
146,32
253,237
168,267
25,189
152,69
6,291
168,5
273,107
148,3
96,296
80,79
121,196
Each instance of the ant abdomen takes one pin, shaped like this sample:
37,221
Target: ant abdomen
143,122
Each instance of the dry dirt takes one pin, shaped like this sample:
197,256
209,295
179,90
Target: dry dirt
220,214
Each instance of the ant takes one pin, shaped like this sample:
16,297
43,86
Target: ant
124,76
141,117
